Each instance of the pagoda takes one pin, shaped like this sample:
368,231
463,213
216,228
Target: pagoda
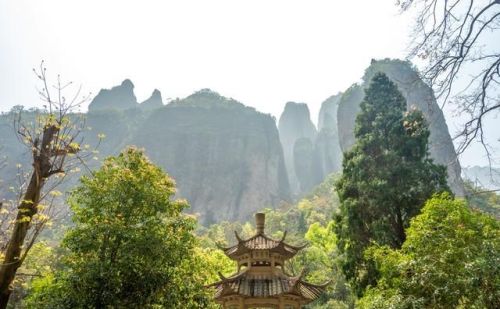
261,280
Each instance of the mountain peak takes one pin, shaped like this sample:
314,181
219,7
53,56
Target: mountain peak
119,98
298,109
155,101
209,98
127,83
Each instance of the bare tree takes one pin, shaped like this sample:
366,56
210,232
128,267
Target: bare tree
449,37
54,140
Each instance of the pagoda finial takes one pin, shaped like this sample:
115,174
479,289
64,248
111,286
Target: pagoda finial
260,222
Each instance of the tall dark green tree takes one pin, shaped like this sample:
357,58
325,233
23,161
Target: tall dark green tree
130,247
387,177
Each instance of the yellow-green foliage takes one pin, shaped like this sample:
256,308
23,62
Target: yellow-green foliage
450,259
130,247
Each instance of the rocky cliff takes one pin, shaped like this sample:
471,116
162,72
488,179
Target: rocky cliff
418,95
310,155
226,157
327,146
155,101
120,97
297,135
346,115
327,117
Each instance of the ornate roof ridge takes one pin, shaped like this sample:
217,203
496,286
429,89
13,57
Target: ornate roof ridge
266,237
244,273
303,288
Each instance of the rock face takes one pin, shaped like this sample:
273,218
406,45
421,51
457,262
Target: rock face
295,125
226,157
346,116
310,156
327,148
155,101
120,97
305,164
418,95
327,117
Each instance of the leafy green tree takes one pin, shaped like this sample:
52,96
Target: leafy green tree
320,260
131,246
387,177
450,259
39,262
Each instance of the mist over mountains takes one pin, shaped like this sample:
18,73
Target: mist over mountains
230,160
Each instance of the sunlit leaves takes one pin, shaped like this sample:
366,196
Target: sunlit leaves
131,246
450,259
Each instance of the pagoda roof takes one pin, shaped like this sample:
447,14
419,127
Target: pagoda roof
260,241
246,284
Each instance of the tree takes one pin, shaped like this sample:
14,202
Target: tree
40,262
450,37
320,259
387,177
131,245
53,141
450,259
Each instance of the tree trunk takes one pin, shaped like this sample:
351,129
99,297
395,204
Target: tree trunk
400,229
26,210
42,169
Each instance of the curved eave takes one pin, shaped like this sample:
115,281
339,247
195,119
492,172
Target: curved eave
290,286
308,290
231,278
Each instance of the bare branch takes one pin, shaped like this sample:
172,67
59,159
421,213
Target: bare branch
449,38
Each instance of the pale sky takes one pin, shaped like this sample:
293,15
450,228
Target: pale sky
262,53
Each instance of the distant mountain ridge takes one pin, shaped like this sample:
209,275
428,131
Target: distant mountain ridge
228,159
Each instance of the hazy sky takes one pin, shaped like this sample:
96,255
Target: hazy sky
262,53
